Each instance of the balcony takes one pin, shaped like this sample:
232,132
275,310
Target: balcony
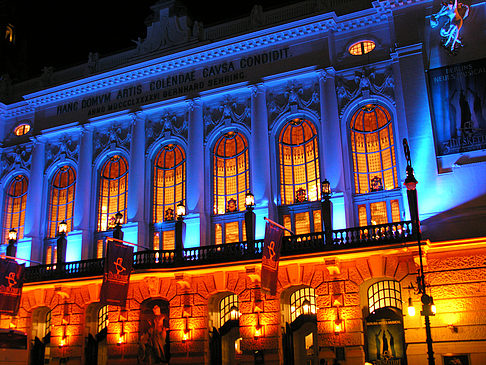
341,239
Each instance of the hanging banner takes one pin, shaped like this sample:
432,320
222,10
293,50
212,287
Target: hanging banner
385,338
457,95
11,282
271,256
118,265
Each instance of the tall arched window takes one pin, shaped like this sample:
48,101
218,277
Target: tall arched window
169,189
231,182
113,192
61,199
374,165
14,207
372,146
298,149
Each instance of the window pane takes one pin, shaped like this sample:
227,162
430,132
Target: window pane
299,162
302,223
14,207
61,200
378,213
231,232
113,192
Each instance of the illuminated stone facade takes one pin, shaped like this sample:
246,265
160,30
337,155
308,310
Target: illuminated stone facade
275,103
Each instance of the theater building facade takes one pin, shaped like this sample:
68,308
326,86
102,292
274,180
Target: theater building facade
275,104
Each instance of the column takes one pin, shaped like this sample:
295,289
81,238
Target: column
32,228
82,208
331,156
196,221
134,223
260,160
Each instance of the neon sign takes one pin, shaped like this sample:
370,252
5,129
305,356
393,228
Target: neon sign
455,14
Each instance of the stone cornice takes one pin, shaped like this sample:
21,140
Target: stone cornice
276,35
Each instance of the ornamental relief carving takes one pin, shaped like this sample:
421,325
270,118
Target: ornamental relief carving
364,84
295,96
114,136
230,110
64,148
18,157
167,125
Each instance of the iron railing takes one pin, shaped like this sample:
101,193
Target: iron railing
341,239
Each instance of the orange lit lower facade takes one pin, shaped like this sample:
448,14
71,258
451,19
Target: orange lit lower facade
320,315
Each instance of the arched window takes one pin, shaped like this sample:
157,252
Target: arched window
14,207
302,301
231,182
61,199
224,338
373,150
231,173
300,336
298,149
228,309
102,318
169,187
374,165
385,293
113,192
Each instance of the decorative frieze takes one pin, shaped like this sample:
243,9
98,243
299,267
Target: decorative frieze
114,136
167,125
364,84
297,95
230,110
64,148
18,157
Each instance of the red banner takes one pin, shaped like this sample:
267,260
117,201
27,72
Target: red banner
271,256
11,282
118,265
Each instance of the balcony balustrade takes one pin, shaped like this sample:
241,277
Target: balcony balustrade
341,239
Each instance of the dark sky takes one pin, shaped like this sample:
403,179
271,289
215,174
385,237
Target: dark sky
62,33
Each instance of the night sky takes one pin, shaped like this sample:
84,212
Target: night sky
62,33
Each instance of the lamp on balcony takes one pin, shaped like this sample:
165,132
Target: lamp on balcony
12,243
326,210
250,221
61,243
117,232
427,300
179,231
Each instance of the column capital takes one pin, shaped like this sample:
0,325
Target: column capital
192,103
257,88
327,73
137,115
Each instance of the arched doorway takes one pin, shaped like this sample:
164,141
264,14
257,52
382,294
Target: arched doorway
154,342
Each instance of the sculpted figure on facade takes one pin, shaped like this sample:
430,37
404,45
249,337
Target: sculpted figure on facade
115,136
64,148
229,111
18,157
302,96
363,84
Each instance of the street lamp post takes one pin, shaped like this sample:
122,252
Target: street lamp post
179,231
12,243
250,221
61,244
326,210
427,300
117,232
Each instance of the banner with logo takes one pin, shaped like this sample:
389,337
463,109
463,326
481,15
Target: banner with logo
271,256
118,265
458,95
11,282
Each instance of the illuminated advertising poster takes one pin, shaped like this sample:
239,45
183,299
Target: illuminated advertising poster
458,102
385,338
